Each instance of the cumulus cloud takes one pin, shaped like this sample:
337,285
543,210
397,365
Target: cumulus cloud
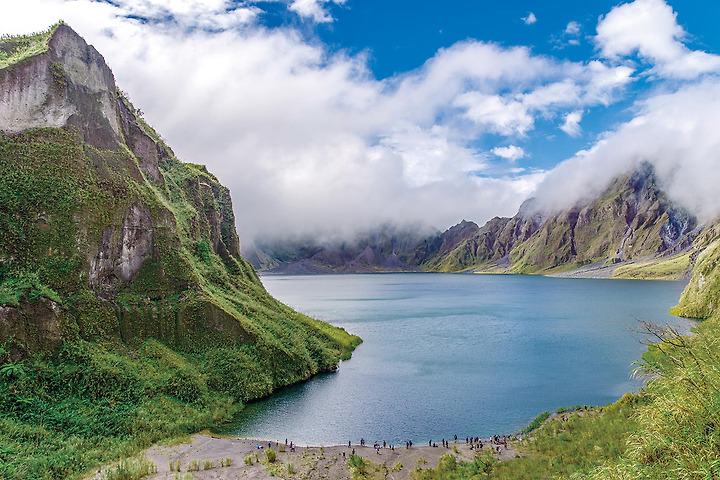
529,19
314,9
571,125
650,29
572,28
498,114
512,153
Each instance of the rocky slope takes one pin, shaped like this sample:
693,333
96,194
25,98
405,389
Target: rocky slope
127,315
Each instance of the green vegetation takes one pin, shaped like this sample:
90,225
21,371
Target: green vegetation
95,366
663,268
15,49
270,455
536,422
361,469
449,468
133,469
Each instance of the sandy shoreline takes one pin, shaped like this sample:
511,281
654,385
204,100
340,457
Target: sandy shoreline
312,462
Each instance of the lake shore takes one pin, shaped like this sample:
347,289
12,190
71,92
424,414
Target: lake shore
328,462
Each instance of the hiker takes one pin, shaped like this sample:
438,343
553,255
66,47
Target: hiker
349,445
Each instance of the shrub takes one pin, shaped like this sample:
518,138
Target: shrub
132,469
270,455
537,421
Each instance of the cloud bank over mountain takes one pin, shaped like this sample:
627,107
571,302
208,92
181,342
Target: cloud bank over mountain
306,136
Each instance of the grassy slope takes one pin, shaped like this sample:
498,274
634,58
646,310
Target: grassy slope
177,349
15,49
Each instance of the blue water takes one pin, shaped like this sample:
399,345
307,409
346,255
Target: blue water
459,354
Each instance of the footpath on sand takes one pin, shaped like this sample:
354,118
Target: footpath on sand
321,462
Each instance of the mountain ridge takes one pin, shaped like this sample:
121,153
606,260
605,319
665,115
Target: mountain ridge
630,221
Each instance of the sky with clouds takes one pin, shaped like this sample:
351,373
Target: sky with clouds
340,114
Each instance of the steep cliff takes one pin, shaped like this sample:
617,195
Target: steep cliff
121,282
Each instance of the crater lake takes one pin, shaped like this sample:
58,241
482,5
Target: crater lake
459,354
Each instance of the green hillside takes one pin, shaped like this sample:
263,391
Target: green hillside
127,314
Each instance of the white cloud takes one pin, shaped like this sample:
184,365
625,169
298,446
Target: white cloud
498,114
650,29
512,153
529,19
573,28
571,125
314,9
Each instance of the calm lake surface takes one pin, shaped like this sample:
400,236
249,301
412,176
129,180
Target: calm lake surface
447,354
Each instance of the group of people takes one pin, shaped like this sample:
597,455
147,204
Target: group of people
475,443
377,445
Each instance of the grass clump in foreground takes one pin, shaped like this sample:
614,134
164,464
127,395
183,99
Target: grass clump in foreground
132,469
361,469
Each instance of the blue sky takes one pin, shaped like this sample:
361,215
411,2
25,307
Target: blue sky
335,115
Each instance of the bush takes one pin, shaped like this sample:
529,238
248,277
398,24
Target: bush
133,469
537,421
270,455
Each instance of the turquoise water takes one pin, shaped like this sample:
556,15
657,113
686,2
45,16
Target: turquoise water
458,354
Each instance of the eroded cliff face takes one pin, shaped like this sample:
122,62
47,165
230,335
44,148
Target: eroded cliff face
69,84
105,234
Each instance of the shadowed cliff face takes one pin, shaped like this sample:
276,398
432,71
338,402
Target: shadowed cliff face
104,234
